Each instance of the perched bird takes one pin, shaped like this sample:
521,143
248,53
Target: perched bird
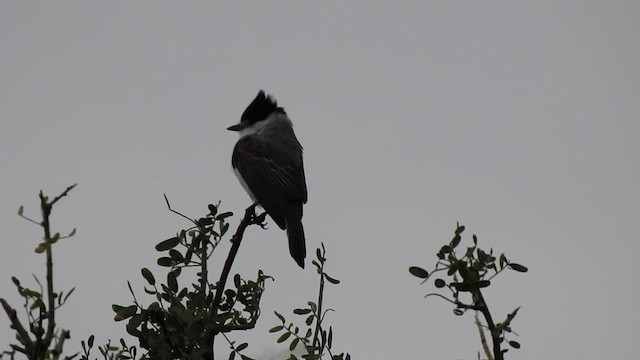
267,159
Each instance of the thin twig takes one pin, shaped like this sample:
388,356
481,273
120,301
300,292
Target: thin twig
176,212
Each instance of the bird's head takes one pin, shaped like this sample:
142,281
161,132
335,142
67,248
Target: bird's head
255,116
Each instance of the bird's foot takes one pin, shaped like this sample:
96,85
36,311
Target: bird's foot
259,220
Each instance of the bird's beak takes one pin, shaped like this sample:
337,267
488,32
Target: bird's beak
236,127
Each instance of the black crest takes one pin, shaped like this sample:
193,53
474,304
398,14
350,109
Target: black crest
261,107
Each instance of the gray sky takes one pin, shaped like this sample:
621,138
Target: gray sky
518,120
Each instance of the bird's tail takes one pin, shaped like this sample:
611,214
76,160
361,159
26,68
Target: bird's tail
295,233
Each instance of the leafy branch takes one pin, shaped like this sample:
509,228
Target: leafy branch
468,275
316,339
40,307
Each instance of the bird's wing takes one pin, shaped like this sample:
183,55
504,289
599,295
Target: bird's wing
274,177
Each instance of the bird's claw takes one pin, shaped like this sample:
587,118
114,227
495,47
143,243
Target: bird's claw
260,220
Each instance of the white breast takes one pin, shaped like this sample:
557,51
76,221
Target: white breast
244,184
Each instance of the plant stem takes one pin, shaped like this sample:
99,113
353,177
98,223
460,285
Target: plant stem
319,321
249,218
495,333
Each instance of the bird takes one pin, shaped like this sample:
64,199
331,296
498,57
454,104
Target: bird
267,160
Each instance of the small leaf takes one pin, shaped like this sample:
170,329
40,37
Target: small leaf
168,244
165,261
331,280
280,317
518,267
232,355
242,346
68,294
283,337
276,328
20,210
439,283
294,343
202,222
146,273
90,341
503,260
418,272
73,232
176,255
455,241
172,281
41,248
301,311
514,344
126,313
224,215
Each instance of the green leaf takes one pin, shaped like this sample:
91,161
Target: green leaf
126,313
301,311
242,346
146,273
276,328
455,241
90,341
439,283
224,215
20,210
331,280
135,321
514,344
279,316
168,244
176,255
73,232
518,267
232,355
294,343
283,337
419,272
165,261
41,248
202,222
172,281
68,294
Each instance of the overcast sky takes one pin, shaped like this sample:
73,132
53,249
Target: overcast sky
520,120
